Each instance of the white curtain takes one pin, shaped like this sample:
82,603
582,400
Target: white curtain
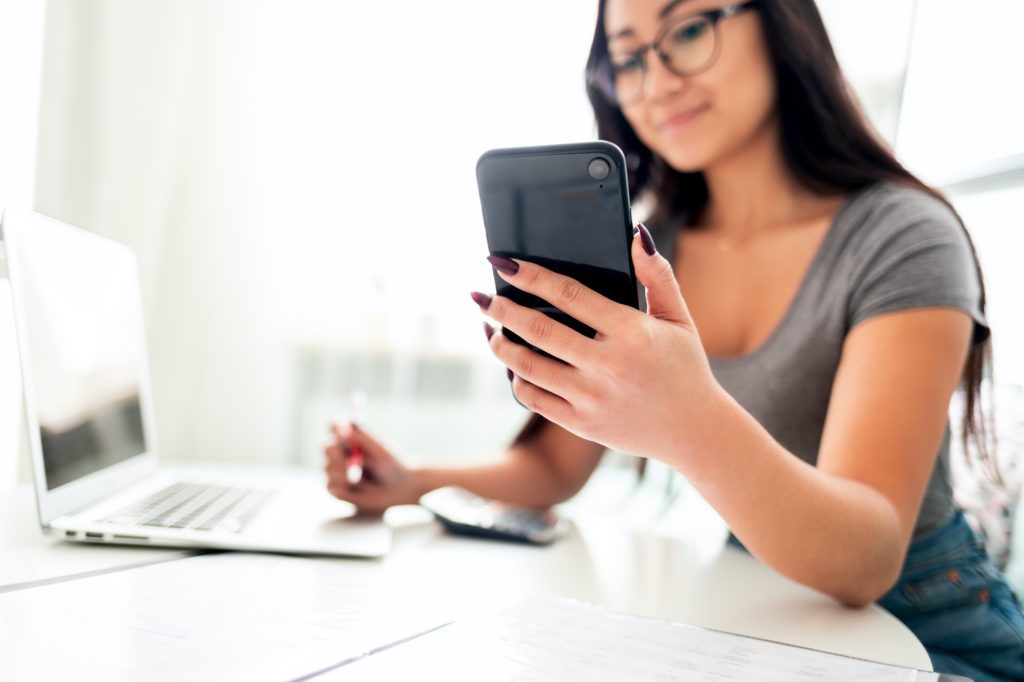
140,141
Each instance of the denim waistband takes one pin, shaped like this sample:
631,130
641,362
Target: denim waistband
950,540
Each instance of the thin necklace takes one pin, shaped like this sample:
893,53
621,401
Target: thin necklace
726,244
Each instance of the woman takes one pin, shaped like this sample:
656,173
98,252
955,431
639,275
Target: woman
838,303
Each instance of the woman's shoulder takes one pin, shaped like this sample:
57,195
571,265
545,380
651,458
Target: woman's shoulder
892,206
903,247
890,210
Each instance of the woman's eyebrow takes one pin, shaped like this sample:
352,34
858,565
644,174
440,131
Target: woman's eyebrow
624,33
662,13
667,9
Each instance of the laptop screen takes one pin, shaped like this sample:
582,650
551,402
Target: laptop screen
84,329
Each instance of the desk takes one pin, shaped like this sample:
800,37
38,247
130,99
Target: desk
628,571
27,557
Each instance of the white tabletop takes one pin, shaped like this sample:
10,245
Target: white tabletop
30,557
601,561
648,575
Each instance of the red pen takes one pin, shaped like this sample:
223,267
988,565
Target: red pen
354,468
354,454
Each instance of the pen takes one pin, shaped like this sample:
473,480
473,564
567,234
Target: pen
354,454
354,468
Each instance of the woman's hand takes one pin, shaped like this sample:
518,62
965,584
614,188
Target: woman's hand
638,387
386,481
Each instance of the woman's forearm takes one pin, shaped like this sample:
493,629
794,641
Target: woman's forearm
833,534
523,476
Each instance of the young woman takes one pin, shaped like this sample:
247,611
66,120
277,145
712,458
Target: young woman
812,307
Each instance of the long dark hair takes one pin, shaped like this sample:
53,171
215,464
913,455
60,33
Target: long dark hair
827,143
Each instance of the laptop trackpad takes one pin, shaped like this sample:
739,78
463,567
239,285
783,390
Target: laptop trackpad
304,518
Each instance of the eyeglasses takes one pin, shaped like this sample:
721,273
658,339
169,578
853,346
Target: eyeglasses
686,46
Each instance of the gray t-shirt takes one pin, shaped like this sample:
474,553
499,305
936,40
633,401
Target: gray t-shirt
890,247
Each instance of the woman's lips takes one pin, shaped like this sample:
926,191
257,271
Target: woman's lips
680,121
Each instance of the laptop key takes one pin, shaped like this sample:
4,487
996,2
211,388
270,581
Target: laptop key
190,505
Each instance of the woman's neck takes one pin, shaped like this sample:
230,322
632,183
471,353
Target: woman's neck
752,190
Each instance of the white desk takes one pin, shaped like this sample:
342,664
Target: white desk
600,562
28,557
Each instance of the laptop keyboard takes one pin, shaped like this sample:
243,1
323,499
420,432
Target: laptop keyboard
194,506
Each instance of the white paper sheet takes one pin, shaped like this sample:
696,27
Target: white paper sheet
213,617
548,639
264,617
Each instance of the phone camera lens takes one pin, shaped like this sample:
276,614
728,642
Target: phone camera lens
598,169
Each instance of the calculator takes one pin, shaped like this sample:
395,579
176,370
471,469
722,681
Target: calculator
461,512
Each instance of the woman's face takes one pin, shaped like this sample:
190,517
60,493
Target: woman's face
695,121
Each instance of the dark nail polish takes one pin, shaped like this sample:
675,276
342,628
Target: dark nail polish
482,300
509,374
488,331
646,240
505,265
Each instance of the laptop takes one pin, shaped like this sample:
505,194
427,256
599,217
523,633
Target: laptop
90,419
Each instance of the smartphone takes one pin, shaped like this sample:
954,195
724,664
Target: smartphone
565,207
463,513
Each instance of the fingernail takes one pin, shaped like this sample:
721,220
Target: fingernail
509,374
646,240
488,331
505,265
482,300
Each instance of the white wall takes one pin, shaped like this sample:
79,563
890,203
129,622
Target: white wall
964,100
963,127
21,33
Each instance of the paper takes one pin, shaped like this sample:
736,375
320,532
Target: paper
549,639
264,617
212,617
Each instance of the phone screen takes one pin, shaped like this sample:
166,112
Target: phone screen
566,208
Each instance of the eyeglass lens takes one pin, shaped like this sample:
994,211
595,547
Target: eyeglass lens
688,47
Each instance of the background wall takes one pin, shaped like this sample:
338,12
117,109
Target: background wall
21,46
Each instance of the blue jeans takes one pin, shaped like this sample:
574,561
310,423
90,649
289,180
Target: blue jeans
958,604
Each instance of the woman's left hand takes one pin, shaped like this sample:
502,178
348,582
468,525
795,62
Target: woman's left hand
637,387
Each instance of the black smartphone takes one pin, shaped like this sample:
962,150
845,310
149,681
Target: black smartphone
565,207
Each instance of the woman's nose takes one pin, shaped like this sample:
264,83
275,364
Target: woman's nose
659,81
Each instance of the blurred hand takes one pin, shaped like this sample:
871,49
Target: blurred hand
386,481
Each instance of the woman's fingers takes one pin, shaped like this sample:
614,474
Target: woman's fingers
554,377
534,398
537,329
342,430
664,299
335,467
566,294
360,497
349,434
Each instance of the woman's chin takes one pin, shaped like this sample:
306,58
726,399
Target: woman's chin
688,158
686,163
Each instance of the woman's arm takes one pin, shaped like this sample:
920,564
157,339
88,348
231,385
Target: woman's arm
547,469
844,526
